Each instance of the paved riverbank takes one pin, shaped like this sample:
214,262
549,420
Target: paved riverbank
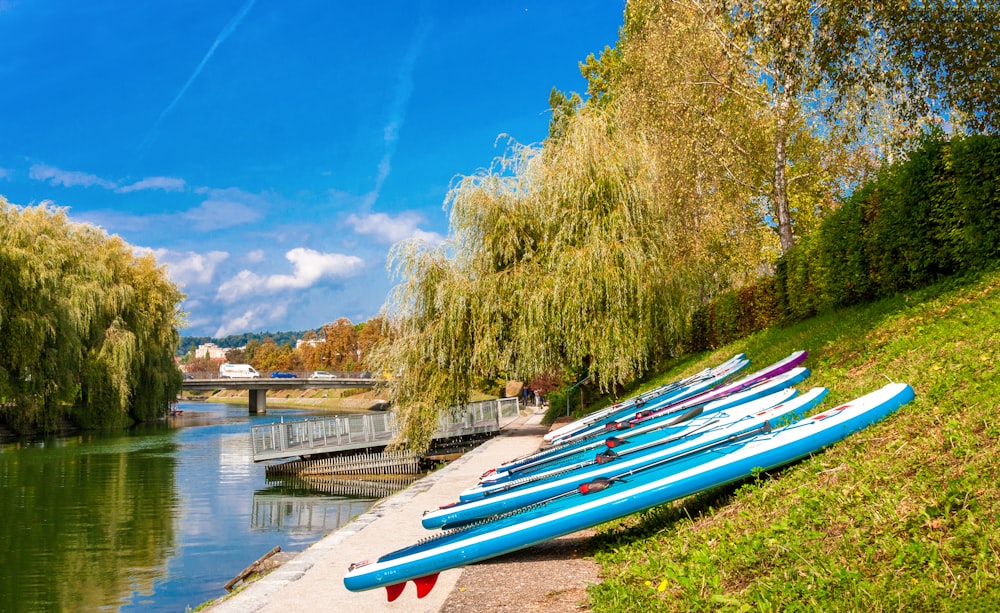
313,580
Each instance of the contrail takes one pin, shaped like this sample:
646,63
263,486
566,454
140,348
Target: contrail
223,35
397,111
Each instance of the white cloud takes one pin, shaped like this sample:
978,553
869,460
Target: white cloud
390,230
309,267
226,208
67,178
189,267
255,318
243,284
255,257
74,178
167,184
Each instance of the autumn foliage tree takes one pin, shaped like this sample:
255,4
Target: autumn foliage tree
339,350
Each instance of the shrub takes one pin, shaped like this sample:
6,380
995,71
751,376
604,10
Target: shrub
926,218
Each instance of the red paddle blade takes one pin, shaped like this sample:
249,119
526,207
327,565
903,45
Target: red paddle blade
393,591
425,584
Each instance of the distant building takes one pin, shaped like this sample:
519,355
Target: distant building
211,351
316,342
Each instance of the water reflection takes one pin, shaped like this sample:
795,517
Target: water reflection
157,519
87,520
291,503
277,512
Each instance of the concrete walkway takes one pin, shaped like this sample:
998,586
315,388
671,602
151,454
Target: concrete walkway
313,580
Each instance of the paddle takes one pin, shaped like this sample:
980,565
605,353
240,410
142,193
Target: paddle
602,483
553,454
545,459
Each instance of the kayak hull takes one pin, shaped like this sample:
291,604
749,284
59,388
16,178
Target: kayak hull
625,496
517,496
557,455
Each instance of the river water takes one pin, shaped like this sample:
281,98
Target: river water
158,518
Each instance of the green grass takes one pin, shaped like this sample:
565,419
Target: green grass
902,516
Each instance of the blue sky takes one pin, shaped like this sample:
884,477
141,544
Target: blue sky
270,153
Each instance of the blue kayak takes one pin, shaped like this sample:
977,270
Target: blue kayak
556,455
652,447
780,367
682,388
608,498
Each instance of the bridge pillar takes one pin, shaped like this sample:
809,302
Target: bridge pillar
258,401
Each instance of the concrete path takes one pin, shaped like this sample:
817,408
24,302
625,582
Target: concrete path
313,580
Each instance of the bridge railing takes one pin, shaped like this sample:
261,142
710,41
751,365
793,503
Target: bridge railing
298,374
326,434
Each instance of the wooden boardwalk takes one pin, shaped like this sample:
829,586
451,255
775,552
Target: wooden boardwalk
339,433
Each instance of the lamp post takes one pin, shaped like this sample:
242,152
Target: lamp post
573,387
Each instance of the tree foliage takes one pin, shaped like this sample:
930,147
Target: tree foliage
585,255
272,356
714,135
864,78
84,321
340,346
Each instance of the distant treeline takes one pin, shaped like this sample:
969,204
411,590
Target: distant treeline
240,340
340,345
934,215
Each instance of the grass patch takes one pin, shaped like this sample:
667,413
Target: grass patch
901,516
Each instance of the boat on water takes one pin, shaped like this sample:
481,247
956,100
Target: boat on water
609,497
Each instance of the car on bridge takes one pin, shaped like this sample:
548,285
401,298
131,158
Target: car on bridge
280,374
322,374
237,371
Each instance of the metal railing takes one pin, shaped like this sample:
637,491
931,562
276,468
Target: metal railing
339,432
298,374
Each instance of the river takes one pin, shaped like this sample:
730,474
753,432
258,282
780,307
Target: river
157,518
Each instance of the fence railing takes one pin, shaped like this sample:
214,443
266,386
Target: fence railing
338,432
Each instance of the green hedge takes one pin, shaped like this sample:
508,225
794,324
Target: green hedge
929,217
734,315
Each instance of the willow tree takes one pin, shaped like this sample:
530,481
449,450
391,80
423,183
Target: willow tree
83,322
588,253
33,312
555,260
559,257
153,317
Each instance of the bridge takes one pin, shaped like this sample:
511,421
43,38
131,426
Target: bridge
338,433
257,388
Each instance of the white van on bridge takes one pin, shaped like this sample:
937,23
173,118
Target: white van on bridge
238,371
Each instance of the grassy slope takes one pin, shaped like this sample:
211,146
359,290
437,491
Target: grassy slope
901,516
